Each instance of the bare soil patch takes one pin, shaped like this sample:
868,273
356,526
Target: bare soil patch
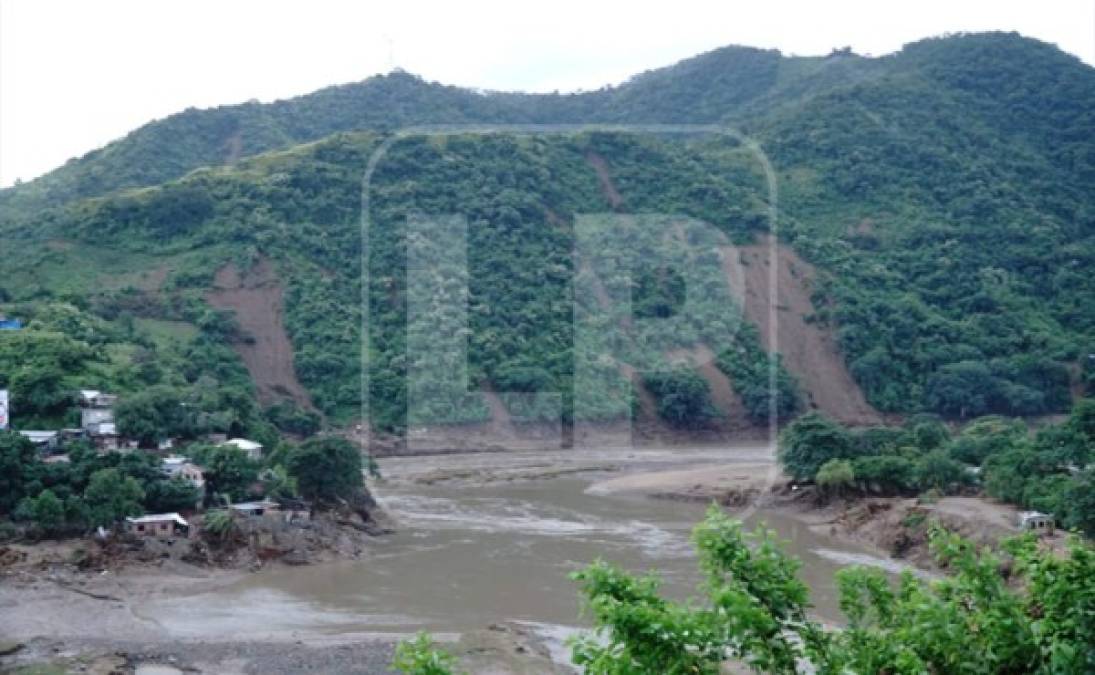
608,186
809,350
257,299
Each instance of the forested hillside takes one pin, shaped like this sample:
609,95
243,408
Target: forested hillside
944,195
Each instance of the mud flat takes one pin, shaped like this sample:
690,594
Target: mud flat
736,484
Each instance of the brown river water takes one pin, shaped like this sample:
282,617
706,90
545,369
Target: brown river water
467,556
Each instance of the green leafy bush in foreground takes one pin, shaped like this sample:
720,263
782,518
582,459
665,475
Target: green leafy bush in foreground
756,612
420,657
971,621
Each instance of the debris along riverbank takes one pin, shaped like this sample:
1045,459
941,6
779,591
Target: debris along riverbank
478,540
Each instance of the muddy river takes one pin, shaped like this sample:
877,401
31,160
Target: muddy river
467,556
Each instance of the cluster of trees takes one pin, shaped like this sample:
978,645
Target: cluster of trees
756,612
179,388
1051,469
89,491
99,490
952,262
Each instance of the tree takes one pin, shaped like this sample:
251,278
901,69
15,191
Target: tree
835,477
684,398
111,497
49,512
326,469
17,459
220,525
228,471
984,437
959,389
809,442
174,494
1079,502
885,474
40,388
153,415
277,483
937,470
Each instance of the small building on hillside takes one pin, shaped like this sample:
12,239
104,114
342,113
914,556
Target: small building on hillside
45,441
1036,521
92,418
250,448
162,525
97,419
91,398
10,324
182,467
104,437
256,509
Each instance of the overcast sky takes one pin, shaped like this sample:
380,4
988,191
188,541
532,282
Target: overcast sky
75,74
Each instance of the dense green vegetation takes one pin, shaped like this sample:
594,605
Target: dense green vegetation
171,387
755,611
1048,469
944,193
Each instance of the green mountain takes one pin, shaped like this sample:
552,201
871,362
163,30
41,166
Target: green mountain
936,207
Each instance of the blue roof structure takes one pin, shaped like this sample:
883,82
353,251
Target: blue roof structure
10,324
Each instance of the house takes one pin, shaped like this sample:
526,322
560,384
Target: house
104,436
72,435
1036,521
104,441
183,468
97,419
250,448
158,525
90,398
92,418
46,441
10,324
255,509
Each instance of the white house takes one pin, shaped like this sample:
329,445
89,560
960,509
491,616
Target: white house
183,468
158,525
1036,521
43,440
251,448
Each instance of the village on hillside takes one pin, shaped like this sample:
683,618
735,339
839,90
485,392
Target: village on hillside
98,428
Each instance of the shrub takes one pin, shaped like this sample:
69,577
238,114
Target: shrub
809,442
835,477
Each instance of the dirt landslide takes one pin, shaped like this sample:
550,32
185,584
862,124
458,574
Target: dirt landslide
257,300
809,350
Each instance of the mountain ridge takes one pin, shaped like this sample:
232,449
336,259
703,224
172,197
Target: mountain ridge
949,222
719,85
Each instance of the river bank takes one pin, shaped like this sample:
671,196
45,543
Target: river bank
480,540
